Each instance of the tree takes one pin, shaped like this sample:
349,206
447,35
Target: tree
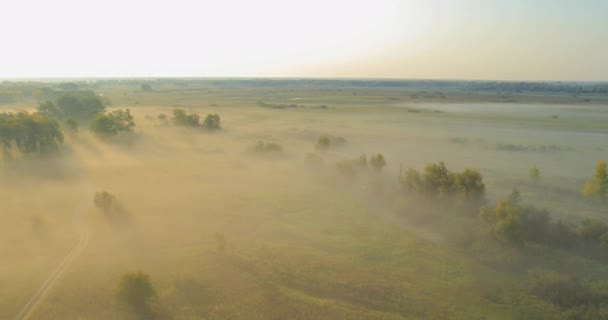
470,184
212,122
135,291
28,133
597,186
82,105
534,174
109,124
146,87
437,179
71,127
182,118
377,161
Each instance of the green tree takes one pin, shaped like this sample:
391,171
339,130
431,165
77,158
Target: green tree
82,105
182,118
437,179
108,124
534,174
28,133
212,122
136,292
470,184
377,161
597,186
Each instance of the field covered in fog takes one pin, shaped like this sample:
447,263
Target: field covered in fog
295,227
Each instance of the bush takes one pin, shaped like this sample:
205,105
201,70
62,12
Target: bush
326,142
136,292
182,118
597,186
262,147
561,290
534,174
28,133
437,181
82,105
110,124
212,122
377,161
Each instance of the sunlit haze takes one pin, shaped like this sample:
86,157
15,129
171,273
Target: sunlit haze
466,39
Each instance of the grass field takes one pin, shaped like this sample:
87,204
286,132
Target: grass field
302,241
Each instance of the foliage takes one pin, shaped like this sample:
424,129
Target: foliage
591,229
109,124
597,186
262,147
82,105
564,291
28,133
105,200
437,181
182,118
534,174
212,122
146,87
325,142
135,290
377,161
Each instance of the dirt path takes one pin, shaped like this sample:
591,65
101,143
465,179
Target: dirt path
83,240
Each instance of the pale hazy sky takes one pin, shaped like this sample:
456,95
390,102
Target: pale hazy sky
453,39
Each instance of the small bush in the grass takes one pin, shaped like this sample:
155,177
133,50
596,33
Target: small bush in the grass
561,290
135,291
109,124
113,210
534,174
377,161
262,147
325,142
597,186
184,119
212,122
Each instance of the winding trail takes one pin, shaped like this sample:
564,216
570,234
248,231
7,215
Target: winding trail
51,280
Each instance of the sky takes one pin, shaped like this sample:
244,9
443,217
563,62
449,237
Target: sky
411,39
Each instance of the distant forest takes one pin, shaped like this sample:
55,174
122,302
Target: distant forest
13,91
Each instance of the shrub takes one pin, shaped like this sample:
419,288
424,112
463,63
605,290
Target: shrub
561,290
110,124
136,292
83,105
28,133
325,142
597,186
212,122
182,118
377,161
262,147
534,174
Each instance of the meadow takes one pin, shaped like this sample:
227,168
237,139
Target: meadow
226,231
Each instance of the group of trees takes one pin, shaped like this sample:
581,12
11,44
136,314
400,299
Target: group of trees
352,166
325,142
262,147
185,119
28,133
597,186
80,105
511,221
577,300
437,181
109,124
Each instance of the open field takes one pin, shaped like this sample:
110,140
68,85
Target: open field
225,233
